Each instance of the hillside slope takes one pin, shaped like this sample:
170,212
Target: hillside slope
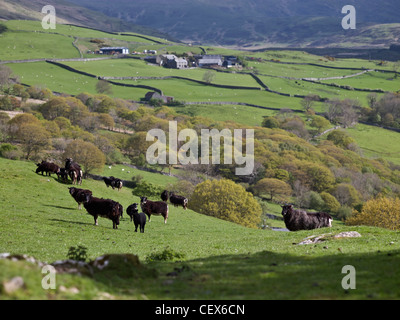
68,13
221,260
239,22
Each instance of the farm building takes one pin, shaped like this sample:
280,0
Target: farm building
155,95
171,61
114,50
209,60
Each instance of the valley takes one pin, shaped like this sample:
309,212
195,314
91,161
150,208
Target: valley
288,97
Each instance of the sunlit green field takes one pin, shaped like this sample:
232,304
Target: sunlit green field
219,259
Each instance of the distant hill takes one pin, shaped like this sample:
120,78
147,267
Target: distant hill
291,23
68,12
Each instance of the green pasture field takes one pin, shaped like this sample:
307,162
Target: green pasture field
371,80
36,26
377,142
139,68
297,71
31,45
126,173
46,75
305,88
219,259
185,90
304,57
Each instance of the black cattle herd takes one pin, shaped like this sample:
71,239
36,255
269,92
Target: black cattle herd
294,219
108,208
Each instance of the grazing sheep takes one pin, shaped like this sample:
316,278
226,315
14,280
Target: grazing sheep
302,220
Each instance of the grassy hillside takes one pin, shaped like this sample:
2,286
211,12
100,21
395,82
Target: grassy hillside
68,13
221,260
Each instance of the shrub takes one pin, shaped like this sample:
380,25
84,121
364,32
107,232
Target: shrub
10,151
344,212
147,189
78,253
316,201
167,254
381,212
331,204
226,200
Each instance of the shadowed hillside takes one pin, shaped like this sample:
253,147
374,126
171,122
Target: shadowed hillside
259,22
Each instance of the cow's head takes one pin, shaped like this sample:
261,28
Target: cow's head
71,190
88,196
143,200
286,208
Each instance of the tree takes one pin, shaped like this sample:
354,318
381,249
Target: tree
317,177
5,77
346,194
103,86
308,102
54,108
86,154
381,212
340,138
273,188
331,204
270,122
226,200
320,123
209,76
34,138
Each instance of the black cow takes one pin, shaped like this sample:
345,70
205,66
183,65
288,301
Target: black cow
79,195
154,207
302,220
113,182
177,200
131,210
165,195
105,208
47,167
74,171
139,219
